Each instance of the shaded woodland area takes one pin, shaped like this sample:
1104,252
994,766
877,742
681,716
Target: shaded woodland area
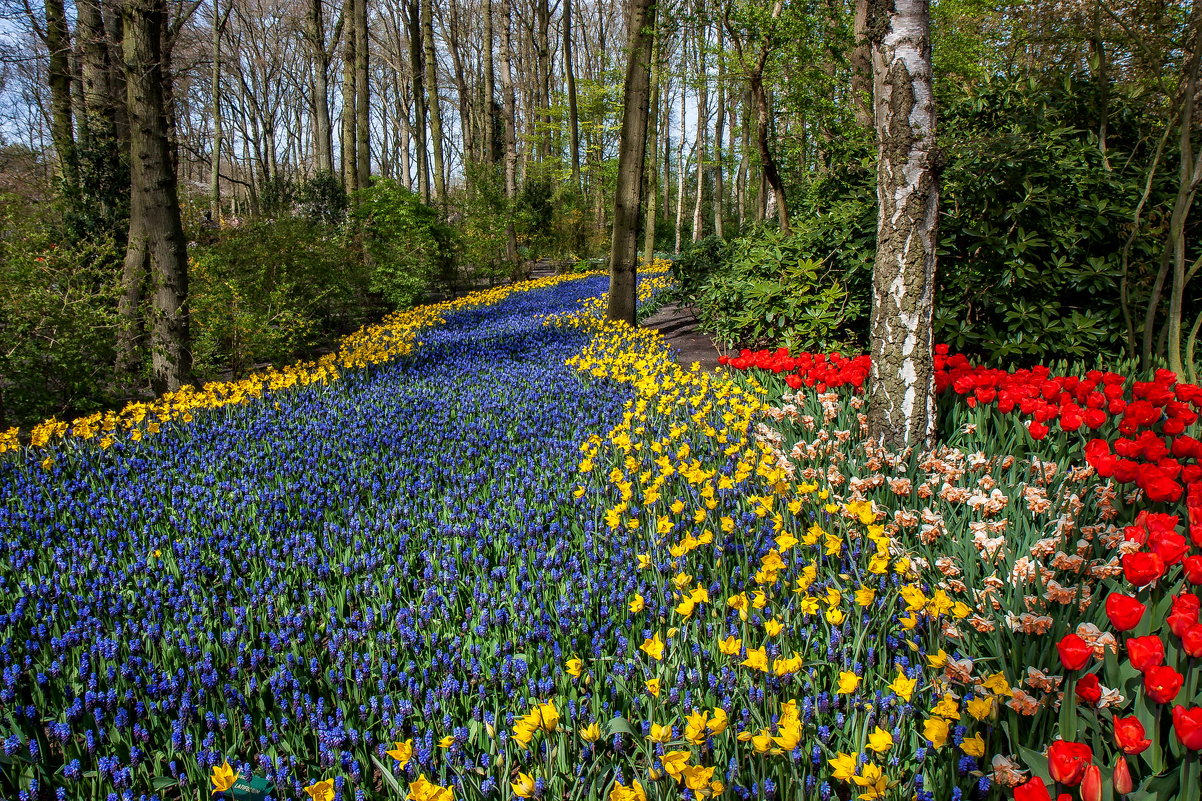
327,162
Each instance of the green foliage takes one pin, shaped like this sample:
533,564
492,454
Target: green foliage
1034,222
57,320
271,292
405,244
770,290
322,199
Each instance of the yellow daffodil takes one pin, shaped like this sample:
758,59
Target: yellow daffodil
903,686
674,763
652,686
973,746
660,733
980,708
695,777
321,791
873,781
634,792
637,604
835,616
996,683
447,742
654,647
844,766
731,646
223,777
425,790
524,786
757,659
947,707
402,752
865,596
879,740
935,730
574,667
718,721
773,627
848,682
696,730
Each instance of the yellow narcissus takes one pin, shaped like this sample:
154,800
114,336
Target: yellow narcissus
223,777
848,682
879,740
654,647
524,786
402,752
425,790
321,791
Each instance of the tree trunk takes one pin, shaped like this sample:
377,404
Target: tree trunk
350,171
901,401
861,66
719,199
419,99
509,112
632,147
315,35
156,236
652,213
62,128
542,88
219,21
702,132
362,98
440,185
490,88
573,112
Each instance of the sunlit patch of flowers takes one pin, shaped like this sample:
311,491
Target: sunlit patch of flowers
1065,514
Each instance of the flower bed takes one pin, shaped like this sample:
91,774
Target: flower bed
1082,499
532,556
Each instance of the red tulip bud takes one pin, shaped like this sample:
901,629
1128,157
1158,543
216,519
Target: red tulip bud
1122,776
1091,785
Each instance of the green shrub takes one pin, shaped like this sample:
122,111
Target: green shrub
272,291
58,321
405,244
769,290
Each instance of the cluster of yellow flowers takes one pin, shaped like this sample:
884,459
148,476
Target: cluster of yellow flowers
395,336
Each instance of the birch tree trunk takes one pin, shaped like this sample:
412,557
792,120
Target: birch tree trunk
901,400
632,153
156,235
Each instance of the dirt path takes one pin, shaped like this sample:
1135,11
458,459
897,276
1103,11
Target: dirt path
678,324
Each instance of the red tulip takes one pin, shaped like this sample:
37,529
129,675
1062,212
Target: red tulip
1162,683
1142,568
1169,545
1091,784
1032,790
1129,735
1122,776
1180,622
1124,611
1075,653
1187,602
1067,761
1191,641
1037,430
1089,689
1193,569
1187,723
1145,652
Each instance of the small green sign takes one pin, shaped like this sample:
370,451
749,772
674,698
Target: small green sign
251,788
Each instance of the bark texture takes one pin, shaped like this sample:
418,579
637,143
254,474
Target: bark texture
902,390
156,236
632,152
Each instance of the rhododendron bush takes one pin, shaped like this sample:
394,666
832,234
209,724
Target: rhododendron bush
1065,512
